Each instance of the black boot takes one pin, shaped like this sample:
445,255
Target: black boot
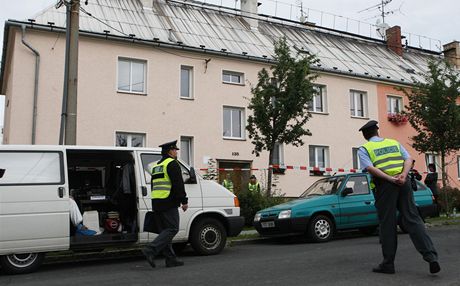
173,262
150,256
383,268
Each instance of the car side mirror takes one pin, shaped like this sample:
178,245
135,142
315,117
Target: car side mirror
2,172
347,191
192,179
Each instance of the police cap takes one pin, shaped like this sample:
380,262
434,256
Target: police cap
169,146
372,124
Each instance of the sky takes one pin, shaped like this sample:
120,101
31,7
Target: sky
436,19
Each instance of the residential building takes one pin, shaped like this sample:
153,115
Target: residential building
152,71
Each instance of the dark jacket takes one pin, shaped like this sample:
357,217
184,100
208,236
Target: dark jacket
177,195
431,181
414,175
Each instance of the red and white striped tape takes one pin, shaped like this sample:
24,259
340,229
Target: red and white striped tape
288,167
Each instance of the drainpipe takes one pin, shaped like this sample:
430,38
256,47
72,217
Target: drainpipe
37,70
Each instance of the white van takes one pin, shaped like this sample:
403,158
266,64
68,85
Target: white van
112,185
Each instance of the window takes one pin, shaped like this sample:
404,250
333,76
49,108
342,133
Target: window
186,150
278,158
27,168
234,122
130,139
186,82
359,185
131,75
148,161
319,157
432,158
356,163
458,166
394,104
233,77
318,104
358,103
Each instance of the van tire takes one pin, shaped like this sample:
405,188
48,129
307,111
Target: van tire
208,236
320,229
21,263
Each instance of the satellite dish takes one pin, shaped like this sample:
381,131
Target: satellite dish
381,28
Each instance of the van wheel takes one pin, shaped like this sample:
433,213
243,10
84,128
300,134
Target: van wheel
320,229
21,263
208,236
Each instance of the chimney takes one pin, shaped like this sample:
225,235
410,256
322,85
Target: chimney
249,12
452,53
393,36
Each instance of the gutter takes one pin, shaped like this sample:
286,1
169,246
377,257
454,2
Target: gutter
37,70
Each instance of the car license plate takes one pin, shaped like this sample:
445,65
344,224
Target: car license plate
267,224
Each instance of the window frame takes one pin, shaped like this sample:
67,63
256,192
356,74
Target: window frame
355,157
190,150
242,123
323,94
131,60
129,134
191,85
358,194
61,168
365,103
326,160
458,167
390,106
233,73
436,160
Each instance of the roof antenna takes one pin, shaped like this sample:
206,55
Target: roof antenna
302,18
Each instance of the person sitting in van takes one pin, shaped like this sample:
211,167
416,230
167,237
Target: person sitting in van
77,219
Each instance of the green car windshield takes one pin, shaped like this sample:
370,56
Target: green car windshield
326,186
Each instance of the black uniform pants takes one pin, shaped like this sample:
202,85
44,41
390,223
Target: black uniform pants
389,198
168,223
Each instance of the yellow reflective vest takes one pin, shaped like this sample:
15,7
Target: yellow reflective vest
386,155
161,183
228,185
254,187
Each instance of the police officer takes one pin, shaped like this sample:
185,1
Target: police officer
253,185
168,193
389,164
227,182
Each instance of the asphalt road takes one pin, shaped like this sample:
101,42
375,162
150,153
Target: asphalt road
347,260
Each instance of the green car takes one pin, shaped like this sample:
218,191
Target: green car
330,204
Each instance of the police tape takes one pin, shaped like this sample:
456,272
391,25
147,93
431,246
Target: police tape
288,167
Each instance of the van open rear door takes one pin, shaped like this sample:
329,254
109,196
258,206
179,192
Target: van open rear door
34,200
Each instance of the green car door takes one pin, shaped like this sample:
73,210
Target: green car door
356,203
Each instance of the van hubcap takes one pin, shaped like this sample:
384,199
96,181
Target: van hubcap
322,228
22,260
210,237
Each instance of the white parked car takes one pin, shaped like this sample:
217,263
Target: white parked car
111,186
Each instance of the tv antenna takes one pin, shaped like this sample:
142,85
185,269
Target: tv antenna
381,7
302,18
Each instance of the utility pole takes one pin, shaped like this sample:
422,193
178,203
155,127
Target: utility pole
69,105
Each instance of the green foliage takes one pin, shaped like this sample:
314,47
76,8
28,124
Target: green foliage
433,111
451,195
252,202
280,100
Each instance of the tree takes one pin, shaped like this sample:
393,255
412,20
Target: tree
280,101
433,112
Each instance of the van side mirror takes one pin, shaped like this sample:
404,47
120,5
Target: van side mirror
347,191
192,179
2,172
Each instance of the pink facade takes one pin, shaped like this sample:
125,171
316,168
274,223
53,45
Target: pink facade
404,131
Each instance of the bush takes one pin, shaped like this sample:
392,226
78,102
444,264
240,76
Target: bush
252,202
453,198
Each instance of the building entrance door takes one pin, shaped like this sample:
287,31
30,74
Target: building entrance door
239,177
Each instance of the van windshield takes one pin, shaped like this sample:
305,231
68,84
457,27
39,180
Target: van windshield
326,186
